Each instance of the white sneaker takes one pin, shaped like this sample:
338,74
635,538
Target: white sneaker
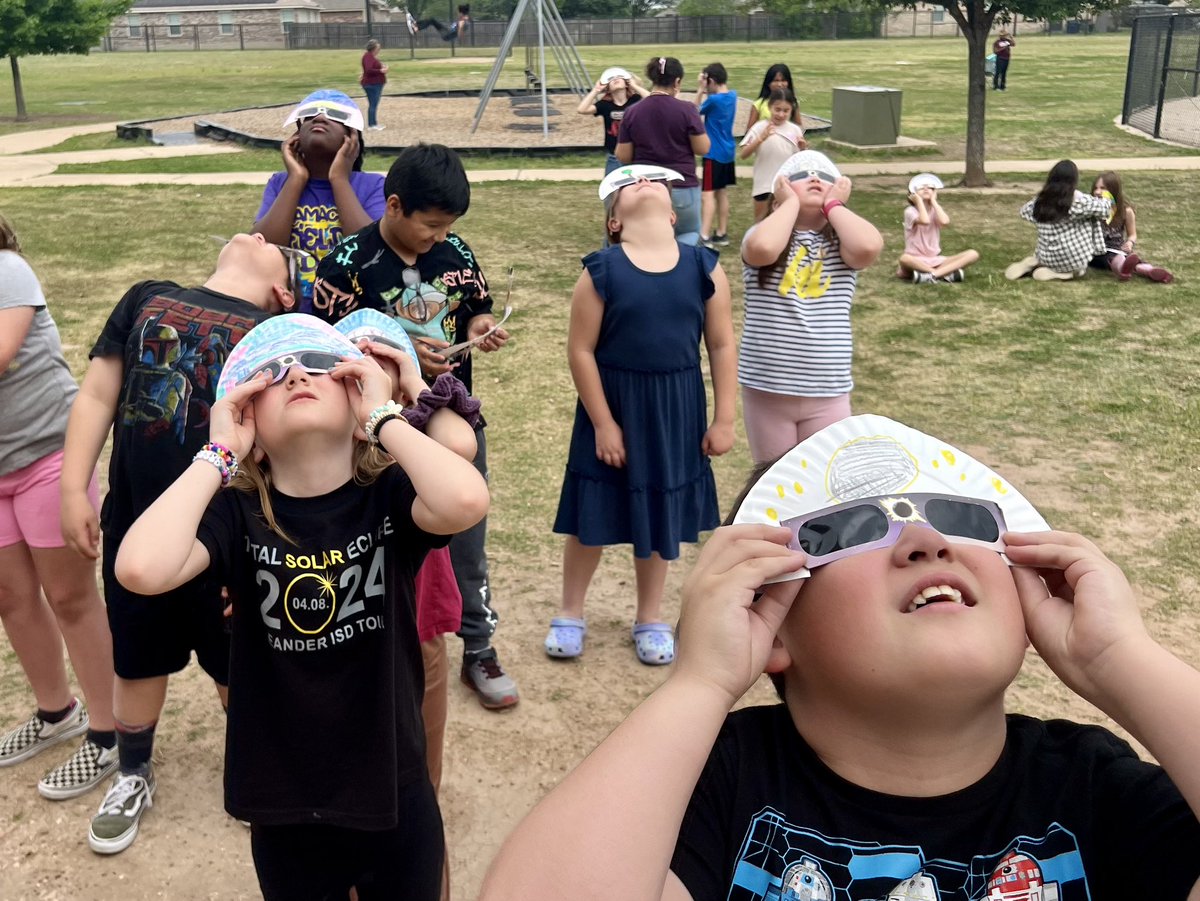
36,735
115,825
376,127
1021,268
80,773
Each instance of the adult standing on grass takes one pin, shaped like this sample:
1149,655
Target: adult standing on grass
373,79
36,391
1002,47
322,192
663,130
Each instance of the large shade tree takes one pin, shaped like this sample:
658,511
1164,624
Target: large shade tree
975,19
30,27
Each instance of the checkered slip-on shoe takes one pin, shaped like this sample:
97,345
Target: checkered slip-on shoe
115,826
36,735
80,773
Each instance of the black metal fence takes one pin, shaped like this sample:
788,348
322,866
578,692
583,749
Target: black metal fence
1162,83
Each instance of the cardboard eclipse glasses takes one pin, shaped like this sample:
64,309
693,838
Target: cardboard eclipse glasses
867,524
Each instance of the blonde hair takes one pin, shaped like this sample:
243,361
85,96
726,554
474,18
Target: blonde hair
253,477
8,236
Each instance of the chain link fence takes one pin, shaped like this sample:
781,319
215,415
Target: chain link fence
1162,83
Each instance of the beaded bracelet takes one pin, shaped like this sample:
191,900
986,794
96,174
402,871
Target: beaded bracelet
222,458
380,415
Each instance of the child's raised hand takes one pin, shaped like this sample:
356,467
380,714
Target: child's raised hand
410,384
725,634
1080,612
231,419
292,161
367,385
343,162
839,191
610,445
783,191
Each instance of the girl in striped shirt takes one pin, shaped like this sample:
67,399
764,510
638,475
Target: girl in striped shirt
800,269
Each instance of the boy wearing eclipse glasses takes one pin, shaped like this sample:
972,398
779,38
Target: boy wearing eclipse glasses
889,583
152,380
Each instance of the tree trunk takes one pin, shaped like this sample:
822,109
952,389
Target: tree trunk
974,19
22,116
977,44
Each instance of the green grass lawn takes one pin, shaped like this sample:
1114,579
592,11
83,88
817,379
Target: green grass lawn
1064,91
1086,394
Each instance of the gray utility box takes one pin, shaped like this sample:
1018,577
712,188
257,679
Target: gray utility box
863,114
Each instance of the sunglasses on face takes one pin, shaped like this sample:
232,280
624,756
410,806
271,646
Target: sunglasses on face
311,361
865,525
332,113
806,174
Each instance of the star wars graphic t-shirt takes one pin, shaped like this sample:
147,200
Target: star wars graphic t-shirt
433,298
325,671
1068,813
174,342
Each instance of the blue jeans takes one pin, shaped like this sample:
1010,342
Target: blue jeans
374,92
686,203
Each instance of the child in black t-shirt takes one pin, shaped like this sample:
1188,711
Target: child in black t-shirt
319,544
891,769
151,380
412,267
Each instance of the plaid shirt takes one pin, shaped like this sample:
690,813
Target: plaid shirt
1068,245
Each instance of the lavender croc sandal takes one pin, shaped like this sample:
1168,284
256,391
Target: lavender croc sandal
565,639
654,643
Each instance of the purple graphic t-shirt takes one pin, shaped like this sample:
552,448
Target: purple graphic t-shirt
317,227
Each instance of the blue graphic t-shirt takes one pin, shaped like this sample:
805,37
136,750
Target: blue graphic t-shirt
317,227
718,112
1068,813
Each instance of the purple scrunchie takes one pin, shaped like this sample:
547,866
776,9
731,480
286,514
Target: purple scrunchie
446,391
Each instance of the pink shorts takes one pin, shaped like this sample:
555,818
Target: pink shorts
30,500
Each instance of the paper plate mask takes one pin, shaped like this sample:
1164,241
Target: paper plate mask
914,476
379,327
614,72
334,105
924,180
277,339
628,175
808,162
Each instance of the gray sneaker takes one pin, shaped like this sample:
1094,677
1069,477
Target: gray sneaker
115,826
481,670
84,770
36,735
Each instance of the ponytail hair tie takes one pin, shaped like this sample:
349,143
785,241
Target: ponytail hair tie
662,65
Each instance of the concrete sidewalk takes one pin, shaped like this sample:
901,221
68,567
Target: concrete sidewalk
34,170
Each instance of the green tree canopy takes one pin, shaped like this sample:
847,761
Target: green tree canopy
32,27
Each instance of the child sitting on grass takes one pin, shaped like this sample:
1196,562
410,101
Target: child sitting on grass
924,218
891,767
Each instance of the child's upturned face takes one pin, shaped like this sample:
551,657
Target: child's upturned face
254,258
321,136
300,402
918,618
419,231
926,192
617,84
781,111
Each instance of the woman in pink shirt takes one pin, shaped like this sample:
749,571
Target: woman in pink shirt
373,79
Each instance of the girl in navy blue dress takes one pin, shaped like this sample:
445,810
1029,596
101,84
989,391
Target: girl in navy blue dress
638,471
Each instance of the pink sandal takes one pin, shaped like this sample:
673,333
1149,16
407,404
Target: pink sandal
654,643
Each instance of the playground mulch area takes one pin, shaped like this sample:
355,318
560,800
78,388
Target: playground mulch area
510,122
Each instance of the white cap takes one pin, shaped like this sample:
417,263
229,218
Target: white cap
924,180
807,161
614,72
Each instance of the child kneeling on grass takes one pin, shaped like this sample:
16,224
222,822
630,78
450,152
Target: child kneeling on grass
891,768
